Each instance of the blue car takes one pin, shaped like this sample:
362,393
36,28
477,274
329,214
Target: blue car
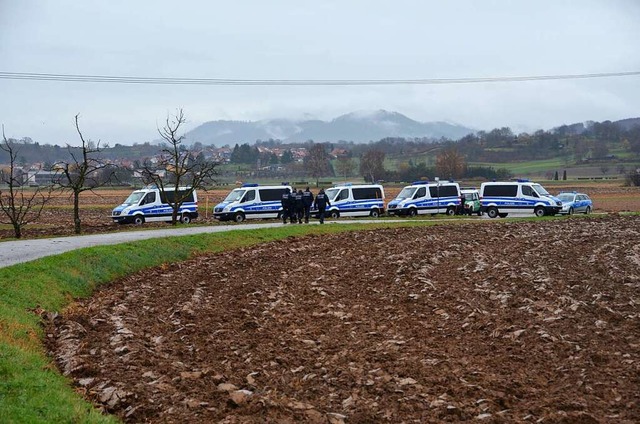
573,202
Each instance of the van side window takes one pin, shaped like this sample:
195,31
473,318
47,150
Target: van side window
149,198
528,191
344,194
169,196
367,193
501,190
421,192
271,194
449,191
249,196
443,191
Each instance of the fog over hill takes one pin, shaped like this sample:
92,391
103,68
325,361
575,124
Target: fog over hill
359,127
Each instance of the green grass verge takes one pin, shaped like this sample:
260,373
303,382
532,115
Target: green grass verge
31,388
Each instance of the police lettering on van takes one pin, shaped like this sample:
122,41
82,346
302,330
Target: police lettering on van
150,204
501,198
251,201
423,197
355,200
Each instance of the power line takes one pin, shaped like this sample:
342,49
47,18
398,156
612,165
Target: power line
292,82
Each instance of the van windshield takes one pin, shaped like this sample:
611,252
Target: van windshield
407,193
540,190
134,198
234,196
331,193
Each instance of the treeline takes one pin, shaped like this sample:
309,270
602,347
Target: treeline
575,143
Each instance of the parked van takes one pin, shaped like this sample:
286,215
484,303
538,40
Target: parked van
423,197
501,198
355,200
251,201
150,204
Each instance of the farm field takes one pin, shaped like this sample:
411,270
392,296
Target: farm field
500,321
57,217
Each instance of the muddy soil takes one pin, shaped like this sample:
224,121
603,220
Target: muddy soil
508,322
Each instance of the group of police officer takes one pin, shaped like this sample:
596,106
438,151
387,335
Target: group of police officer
296,206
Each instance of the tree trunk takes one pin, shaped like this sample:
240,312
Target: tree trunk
17,230
76,213
174,217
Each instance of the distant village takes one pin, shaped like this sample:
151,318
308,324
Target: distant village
270,161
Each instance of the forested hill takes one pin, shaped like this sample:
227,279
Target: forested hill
358,127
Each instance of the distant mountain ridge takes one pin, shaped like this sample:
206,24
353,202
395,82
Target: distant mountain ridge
359,127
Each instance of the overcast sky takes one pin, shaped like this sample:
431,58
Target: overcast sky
294,39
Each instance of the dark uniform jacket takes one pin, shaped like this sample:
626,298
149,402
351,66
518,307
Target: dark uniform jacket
307,198
286,200
322,201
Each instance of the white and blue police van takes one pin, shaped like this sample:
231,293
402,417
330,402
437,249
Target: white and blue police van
523,196
251,201
355,200
150,204
424,197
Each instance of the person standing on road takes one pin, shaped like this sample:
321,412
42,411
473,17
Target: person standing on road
299,206
321,202
307,198
461,210
292,206
286,201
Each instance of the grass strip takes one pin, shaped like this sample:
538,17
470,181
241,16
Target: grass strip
31,388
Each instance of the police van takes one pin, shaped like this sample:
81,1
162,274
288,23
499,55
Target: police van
355,200
424,197
150,204
501,198
251,201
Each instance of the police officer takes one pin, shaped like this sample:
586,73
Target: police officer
292,206
307,198
299,206
321,202
286,201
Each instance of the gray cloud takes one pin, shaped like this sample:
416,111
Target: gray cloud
302,40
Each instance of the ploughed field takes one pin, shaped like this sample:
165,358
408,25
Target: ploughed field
534,321
95,214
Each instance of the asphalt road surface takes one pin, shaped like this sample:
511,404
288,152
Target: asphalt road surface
14,252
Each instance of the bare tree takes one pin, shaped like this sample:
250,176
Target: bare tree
450,163
317,162
19,206
345,166
84,171
372,165
178,166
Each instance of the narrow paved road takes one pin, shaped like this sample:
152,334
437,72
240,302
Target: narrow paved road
14,252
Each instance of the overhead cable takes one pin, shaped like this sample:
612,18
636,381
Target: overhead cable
295,82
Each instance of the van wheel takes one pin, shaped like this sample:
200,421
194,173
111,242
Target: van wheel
492,212
238,217
374,213
334,214
138,220
186,218
412,212
503,215
451,211
539,211
588,210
